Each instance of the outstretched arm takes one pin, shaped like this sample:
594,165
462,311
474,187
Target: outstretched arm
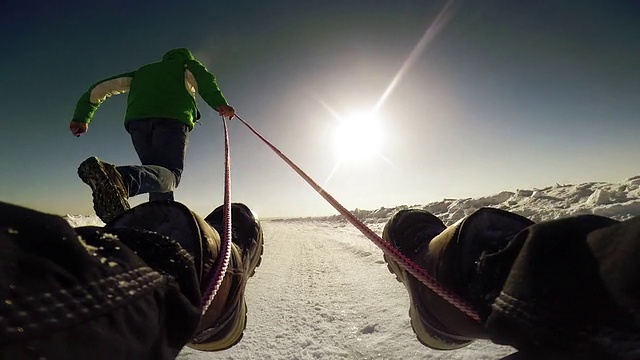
92,98
208,88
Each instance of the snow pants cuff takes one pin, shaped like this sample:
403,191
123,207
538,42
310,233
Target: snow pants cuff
91,292
574,288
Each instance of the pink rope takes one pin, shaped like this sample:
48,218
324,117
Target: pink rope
387,248
217,275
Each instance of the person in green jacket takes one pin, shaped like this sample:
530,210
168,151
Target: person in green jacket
161,111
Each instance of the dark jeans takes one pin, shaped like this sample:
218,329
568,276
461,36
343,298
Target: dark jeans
92,293
161,145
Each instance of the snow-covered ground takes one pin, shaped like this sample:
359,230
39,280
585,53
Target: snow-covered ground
324,292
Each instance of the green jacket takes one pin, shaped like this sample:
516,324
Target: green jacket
165,89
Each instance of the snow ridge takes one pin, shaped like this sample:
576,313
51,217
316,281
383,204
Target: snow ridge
620,201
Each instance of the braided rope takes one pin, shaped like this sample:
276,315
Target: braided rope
216,276
387,248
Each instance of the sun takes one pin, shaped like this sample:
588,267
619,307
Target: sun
358,136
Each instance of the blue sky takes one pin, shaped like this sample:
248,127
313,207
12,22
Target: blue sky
509,94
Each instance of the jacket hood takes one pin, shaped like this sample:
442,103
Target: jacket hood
178,54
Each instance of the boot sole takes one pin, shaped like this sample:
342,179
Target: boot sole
422,332
233,337
257,260
235,334
106,205
401,277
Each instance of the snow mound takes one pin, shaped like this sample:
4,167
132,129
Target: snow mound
620,201
83,220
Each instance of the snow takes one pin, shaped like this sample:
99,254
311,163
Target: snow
324,292
81,220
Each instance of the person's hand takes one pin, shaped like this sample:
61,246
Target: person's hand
226,111
78,128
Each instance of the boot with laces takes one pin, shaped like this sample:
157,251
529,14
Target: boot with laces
222,325
462,259
109,192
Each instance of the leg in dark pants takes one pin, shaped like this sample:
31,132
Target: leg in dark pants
92,293
161,146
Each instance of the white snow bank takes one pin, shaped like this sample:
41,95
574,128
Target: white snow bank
620,201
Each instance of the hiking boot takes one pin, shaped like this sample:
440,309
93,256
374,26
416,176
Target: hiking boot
411,231
457,258
223,323
246,233
109,193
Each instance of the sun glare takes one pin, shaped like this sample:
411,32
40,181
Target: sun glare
358,137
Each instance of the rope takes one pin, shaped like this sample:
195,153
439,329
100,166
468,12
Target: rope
216,276
387,248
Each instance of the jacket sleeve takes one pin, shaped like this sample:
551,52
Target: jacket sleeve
207,86
98,92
